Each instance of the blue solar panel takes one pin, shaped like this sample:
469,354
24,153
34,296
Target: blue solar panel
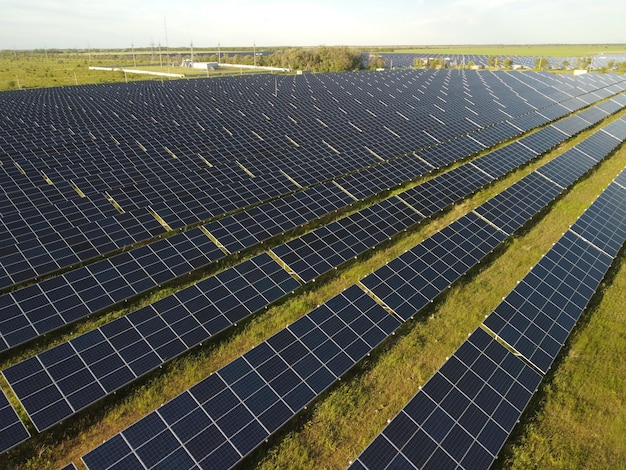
227,415
567,168
12,430
604,223
543,140
438,193
505,159
462,416
63,380
43,307
326,248
598,144
409,282
161,166
517,204
538,315
260,223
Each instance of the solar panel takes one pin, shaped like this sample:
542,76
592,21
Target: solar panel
434,195
224,417
542,140
43,307
572,125
505,159
12,430
166,173
603,224
593,115
382,177
538,315
600,143
58,382
462,416
260,223
409,282
621,180
567,168
513,207
329,246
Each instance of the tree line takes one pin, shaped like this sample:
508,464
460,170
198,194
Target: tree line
318,59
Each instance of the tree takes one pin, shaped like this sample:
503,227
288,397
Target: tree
508,63
377,62
541,63
583,62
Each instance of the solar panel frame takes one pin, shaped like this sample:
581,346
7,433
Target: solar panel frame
409,282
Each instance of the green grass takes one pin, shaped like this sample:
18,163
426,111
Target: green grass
36,69
555,50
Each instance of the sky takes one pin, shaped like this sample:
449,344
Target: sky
87,24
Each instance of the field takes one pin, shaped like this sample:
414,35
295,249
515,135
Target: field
577,420
522,50
35,69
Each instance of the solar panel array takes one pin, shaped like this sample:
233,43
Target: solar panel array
98,177
463,415
53,403
325,248
58,382
234,232
410,60
395,284
228,414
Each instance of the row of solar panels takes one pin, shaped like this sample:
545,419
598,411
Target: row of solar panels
402,60
463,415
220,420
40,241
43,307
139,343
367,134
43,259
87,290
257,300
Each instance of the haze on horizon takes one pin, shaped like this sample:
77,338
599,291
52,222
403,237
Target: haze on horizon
74,24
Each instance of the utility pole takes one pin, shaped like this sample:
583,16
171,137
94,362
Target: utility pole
254,52
167,46
132,48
